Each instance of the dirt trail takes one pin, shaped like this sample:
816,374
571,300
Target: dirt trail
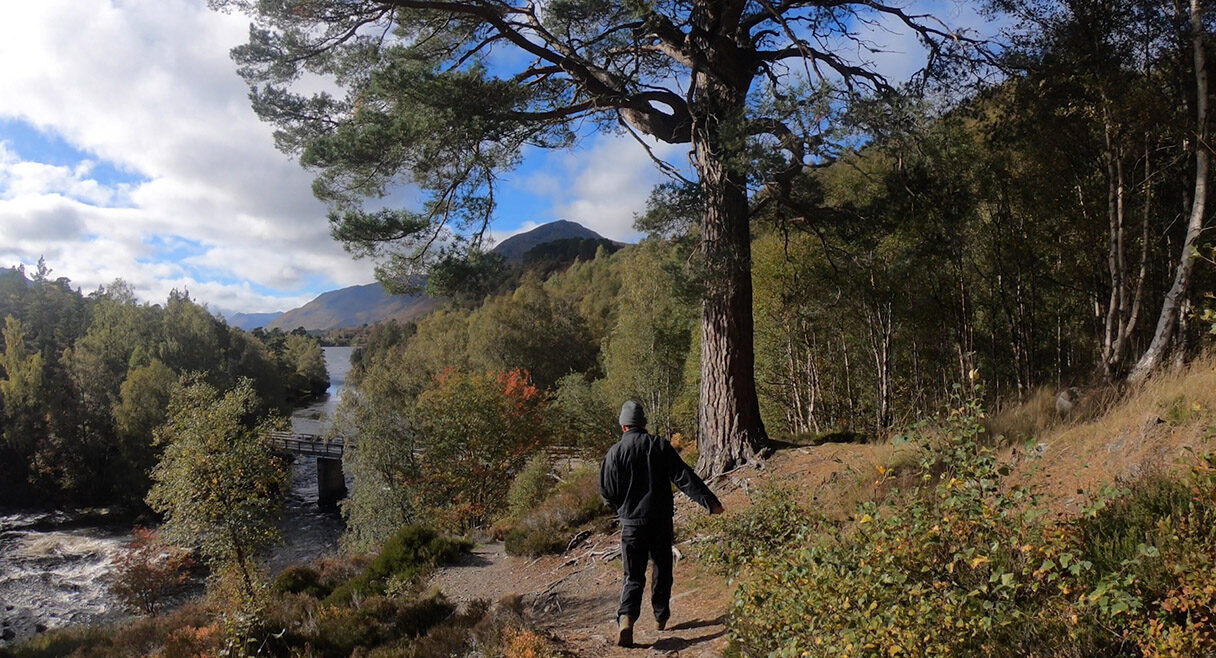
574,596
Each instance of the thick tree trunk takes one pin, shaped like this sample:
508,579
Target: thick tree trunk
1175,299
731,432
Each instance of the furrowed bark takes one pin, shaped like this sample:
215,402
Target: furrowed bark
731,431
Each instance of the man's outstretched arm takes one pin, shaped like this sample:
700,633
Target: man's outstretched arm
689,482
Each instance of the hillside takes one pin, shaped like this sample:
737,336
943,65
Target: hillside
354,306
251,321
1158,429
369,303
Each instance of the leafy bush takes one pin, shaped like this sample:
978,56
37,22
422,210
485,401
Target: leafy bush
549,527
964,564
340,630
528,643
1157,548
185,631
773,519
479,430
408,555
301,579
958,567
149,571
531,486
537,538
1180,410
1115,527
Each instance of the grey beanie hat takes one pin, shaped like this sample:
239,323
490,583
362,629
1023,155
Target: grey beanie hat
632,415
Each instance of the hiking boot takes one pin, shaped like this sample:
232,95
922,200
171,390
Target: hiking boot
661,622
624,633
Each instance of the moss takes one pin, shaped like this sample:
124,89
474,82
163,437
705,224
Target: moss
549,527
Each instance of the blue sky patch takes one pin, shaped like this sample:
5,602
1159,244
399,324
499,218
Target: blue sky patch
172,248
35,145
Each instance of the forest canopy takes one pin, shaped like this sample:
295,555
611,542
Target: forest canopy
86,379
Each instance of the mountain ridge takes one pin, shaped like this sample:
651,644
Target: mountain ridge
369,303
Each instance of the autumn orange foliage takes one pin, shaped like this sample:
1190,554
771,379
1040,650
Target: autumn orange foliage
149,572
478,430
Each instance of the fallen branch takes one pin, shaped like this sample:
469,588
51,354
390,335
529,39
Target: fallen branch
576,540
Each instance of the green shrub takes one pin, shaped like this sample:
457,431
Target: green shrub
377,620
531,486
1156,545
958,566
408,555
341,629
537,538
774,518
188,630
60,642
549,527
963,564
1112,531
415,618
1179,410
301,579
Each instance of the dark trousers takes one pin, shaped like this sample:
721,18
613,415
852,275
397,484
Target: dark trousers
639,545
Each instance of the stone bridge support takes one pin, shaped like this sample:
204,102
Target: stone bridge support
331,483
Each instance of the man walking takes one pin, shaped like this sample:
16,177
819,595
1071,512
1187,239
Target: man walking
635,481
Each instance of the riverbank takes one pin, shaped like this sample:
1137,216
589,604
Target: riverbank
55,563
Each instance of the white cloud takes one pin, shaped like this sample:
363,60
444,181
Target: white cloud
23,179
147,85
608,184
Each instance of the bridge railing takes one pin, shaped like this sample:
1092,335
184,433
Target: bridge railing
556,453
308,444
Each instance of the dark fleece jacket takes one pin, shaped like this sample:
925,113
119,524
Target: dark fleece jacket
635,477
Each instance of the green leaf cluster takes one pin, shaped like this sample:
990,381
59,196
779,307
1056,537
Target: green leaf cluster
966,564
85,379
218,484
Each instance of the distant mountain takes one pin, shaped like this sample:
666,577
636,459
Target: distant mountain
251,321
368,304
354,306
514,247
549,257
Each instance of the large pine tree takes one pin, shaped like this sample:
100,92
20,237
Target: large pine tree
445,93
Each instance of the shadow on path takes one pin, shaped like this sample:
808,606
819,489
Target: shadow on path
698,623
470,560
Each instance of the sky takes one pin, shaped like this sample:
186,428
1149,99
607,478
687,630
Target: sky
128,150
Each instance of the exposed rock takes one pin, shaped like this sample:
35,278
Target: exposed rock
1068,400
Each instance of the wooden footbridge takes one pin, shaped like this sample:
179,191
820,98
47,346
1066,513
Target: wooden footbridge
331,482
308,445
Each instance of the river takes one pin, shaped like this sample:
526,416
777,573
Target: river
54,565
